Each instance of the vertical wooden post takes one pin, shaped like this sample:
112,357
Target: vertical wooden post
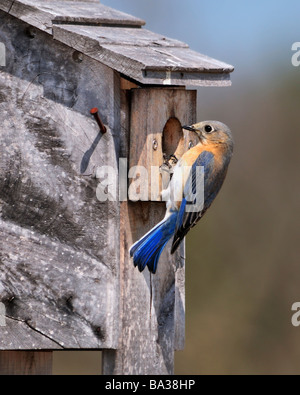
29,363
152,306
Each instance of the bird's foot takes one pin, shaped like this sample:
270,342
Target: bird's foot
173,159
170,161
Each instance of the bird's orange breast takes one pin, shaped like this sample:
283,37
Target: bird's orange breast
192,155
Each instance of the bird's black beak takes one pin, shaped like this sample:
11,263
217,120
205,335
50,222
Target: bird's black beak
190,128
193,129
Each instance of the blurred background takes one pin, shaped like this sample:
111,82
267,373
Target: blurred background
243,259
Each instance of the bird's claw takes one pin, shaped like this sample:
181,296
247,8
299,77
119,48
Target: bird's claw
170,161
174,159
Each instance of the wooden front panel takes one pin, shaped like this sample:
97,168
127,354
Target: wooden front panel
152,311
157,115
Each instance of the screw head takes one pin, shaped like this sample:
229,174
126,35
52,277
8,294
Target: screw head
78,57
155,145
31,32
191,144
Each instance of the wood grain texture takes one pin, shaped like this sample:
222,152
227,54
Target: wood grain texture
43,13
139,54
157,115
123,36
152,319
5,5
24,363
59,257
153,60
153,307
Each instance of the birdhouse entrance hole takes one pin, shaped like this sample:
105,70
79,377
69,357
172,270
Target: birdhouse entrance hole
173,139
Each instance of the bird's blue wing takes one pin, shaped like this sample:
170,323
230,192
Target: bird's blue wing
198,196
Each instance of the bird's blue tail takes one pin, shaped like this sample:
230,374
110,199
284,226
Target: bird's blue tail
148,249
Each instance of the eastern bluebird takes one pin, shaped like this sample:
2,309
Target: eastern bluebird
185,206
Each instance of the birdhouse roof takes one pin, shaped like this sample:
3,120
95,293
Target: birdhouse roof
119,41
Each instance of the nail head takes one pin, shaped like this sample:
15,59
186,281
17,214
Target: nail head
78,57
95,112
31,32
191,144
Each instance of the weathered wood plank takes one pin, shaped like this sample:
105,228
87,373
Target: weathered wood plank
59,258
194,79
79,1
43,13
14,363
153,306
170,109
5,5
34,295
179,342
149,334
168,63
123,36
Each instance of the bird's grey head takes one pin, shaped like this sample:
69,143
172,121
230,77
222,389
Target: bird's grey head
212,132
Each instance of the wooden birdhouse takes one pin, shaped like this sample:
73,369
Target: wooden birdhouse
70,207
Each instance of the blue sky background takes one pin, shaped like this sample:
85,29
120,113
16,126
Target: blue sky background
255,36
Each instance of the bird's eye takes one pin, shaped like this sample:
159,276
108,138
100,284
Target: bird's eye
208,129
